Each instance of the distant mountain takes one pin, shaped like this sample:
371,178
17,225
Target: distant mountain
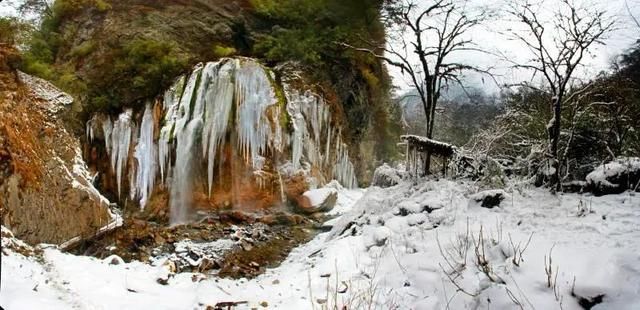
460,113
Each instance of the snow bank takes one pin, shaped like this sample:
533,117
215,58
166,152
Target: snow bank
449,255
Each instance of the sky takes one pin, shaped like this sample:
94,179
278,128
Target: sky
487,37
7,7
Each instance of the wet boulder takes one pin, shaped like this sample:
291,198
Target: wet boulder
615,177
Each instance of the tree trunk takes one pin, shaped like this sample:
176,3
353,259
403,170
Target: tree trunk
432,118
429,113
554,137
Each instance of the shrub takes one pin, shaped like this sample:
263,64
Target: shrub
220,51
140,69
84,49
150,64
11,30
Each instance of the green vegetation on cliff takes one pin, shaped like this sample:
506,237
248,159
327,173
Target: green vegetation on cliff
114,54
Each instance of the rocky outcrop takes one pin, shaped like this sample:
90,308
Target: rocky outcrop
46,194
121,54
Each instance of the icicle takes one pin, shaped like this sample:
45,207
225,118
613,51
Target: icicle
254,95
295,103
217,87
89,128
299,127
327,152
120,140
107,129
145,154
171,105
343,170
277,140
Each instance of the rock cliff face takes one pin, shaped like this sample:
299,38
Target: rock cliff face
113,55
177,134
232,134
46,194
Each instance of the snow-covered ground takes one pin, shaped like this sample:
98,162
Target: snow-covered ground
412,246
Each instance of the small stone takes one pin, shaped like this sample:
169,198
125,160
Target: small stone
264,304
275,282
114,260
159,239
246,246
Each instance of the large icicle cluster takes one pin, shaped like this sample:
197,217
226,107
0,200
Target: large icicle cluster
117,137
313,137
146,156
229,101
201,117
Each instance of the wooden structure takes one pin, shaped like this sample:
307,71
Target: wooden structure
420,148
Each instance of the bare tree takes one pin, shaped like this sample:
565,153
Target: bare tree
558,45
426,35
633,18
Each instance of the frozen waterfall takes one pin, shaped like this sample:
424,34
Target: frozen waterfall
200,119
218,93
233,104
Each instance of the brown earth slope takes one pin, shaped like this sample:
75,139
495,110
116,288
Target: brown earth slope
45,192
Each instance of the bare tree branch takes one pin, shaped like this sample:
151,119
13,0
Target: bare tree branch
558,46
429,33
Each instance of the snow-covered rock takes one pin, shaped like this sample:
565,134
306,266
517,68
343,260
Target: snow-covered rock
489,199
386,176
114,260
615,177
319,200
